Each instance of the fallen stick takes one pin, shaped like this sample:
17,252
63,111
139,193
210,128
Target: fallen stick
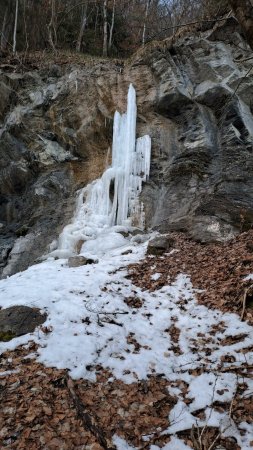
244,300
242,370
86,418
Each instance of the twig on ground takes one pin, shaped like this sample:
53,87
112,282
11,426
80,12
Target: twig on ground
243,60
87,420
244,299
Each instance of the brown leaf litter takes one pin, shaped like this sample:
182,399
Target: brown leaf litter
217,269
42,408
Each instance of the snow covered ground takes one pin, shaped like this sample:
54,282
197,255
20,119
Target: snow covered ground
91,324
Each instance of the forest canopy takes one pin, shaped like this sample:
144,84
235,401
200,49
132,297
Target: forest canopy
98,27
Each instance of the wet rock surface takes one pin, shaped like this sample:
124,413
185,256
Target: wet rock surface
18,320
195,98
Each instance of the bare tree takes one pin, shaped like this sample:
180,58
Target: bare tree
25,27
112,24
105,44
41,24
145,22
4,33
52,35
15,28
82,27
243,11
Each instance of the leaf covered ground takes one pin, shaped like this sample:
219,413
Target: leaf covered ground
170,366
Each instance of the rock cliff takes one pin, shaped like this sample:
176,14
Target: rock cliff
194,99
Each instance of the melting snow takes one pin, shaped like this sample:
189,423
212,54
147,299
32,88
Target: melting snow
80,303
155,276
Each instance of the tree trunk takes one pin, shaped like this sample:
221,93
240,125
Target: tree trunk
82,28
243,11
15,29
4,37
145,23
105,52
25,27
112,25
52,36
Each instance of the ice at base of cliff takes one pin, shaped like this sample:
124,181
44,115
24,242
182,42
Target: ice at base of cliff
113,199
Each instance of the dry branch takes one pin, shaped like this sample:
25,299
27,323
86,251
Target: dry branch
244,300
87,420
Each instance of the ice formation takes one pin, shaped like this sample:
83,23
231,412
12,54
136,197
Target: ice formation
112,199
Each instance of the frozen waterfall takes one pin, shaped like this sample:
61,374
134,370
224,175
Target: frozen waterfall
112,199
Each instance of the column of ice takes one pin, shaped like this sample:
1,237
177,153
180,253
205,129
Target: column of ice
113,198
130,160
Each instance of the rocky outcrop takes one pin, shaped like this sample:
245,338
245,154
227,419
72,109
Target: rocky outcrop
53,140
202,166
195,100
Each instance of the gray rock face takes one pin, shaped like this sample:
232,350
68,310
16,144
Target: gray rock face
18,320
202,165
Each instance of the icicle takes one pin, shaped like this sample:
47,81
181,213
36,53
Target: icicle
113,198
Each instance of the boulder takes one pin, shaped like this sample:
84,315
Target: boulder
77,261
160,245
18,320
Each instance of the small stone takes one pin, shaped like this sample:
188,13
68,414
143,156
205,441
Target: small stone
77,261
125,234
160,245
127,252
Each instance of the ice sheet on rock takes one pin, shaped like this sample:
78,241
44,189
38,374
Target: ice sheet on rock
103,243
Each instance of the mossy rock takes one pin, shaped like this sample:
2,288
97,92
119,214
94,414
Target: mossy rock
19,320
6,336
22,231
